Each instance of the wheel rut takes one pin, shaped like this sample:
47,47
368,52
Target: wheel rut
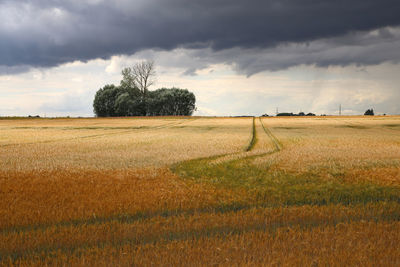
278,146
257,147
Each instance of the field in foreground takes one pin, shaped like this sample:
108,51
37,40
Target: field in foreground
200,191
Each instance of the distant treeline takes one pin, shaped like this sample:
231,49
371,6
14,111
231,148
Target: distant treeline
370,112
292,114
133,98
114,101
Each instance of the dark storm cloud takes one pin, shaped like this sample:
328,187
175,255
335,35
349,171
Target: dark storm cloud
44,33
361,48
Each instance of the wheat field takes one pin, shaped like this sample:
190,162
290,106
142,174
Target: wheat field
199,191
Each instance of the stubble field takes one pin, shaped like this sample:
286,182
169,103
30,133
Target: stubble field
195,191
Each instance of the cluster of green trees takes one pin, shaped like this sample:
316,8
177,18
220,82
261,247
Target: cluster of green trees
132,97
292,114
116,101
369,112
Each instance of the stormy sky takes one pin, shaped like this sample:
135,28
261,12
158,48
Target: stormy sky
239,57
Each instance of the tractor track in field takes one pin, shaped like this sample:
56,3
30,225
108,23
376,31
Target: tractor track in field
131,129
253,139
278,146
362,126
253,142
42,252
243,155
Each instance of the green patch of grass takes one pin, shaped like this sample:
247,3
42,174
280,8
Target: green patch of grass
276,187
353,126
253,140
392,125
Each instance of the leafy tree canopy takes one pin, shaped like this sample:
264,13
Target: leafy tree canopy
133,98
369,112
111,101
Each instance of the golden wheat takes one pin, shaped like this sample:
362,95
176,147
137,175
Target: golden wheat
103,192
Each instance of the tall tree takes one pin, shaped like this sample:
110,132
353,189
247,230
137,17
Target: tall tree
141,75
128,80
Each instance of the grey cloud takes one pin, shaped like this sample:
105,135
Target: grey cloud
5,70
44,33
362,48
190,72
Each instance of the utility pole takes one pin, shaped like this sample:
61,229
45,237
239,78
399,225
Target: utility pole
277,111
340,110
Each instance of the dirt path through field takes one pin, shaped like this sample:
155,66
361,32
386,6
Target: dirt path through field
278,146
262,143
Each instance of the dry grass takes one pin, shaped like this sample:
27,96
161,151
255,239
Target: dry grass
100,192
148,145
36,199
354,149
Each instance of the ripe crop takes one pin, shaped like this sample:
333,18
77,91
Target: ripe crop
200,191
